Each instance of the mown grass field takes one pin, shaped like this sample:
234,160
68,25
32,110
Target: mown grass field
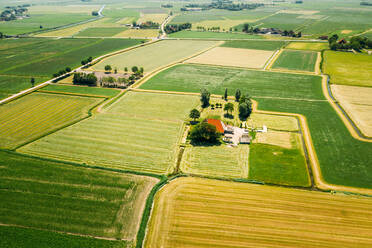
100,32
212,35
296,60
81,90
16,237
253,44
37,114
195,212
312,46
283,21
66,198
216,161
140,132
138,33
236,57
348,68
334,145
10,85
156,55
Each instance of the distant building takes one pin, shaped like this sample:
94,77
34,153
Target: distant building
245,139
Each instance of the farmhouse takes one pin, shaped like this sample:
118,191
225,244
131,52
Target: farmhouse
231,134
220,126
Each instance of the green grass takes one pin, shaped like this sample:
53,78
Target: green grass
156,55
34,115
260,45
140,132
16,237
216,161
277,165
343,159
296,60
282,21
10,85
61,197
100,32
212,35
84,90
348,68
313,46
191,78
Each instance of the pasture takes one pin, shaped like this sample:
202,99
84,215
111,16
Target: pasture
254,44
186,34
236,57
348,68
37,114
127,135
195,212
216,161
296,60
357,103
332,141
16,237
81,90
10,85
61,197
273,122
155,56
312,46
100,32
283,21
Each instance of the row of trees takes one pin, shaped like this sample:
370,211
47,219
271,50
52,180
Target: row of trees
86,61
85,79
255,30
357,43
61,72
172,28
135,69
111,82
222,4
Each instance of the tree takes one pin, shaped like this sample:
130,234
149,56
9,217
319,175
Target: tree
245,107
68,69
32,82
333,38
245,28
134,69
237,95
194,114
204,98
204,133
108,68
225,95
141,70
90,59
126,69
134,24
1,35
116,71
229,107
41,27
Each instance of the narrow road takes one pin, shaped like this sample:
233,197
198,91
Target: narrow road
100,10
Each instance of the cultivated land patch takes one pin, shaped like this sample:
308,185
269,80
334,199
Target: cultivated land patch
157,18
139,132
157,55
273,122
138,33
357,103
195,212
348,68
212,35
37,114
314,46
296,60
100,32
216,161
331,139
61,197
254,44
227,56
81,90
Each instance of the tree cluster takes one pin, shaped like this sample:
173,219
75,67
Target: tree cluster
167,6
85,79
2,35
205,96
94,13
223,4
172,28
357,43
149,25
61,72
111,82
204,133
365,3
86,61
245,106
13,12
248,29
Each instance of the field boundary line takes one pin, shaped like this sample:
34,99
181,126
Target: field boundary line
71,94
272,59
348,122
318,62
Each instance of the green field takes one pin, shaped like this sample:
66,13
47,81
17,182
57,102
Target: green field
212,35
313,46
10,85
100,32
283,21
16,237
348,68
37,114
277,165
296,60
139,132
260,45
216,161
66,198
157,55
191,78
334,145
81,90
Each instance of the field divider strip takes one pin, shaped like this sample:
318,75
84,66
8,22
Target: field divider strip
318,64
272,59
70,94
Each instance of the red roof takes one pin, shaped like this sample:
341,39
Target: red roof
217,124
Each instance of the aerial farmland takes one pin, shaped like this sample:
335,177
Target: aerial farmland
203,123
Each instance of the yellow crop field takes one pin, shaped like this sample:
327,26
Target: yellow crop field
227,56
276,122
357,102
157,18
138,33
34,115
277,138
314,46
196,212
